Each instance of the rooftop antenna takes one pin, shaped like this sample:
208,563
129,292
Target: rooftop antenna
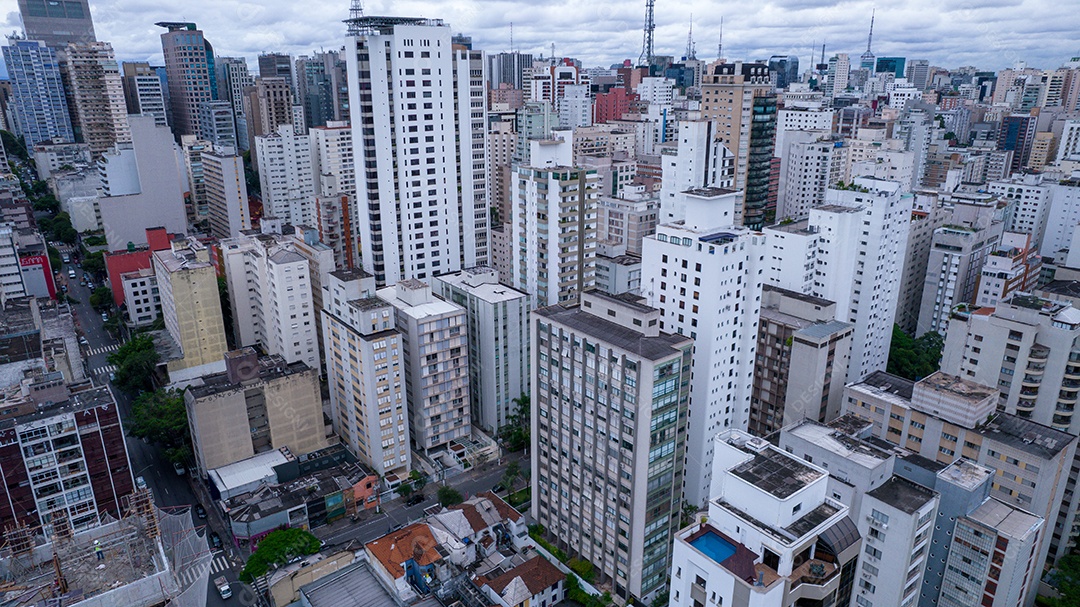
691,52
356,12
511,36
720,46
871,35
553,62
646,58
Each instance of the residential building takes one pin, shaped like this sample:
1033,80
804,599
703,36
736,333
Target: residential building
772,536
497,322
57,25
142,91
610,352
507,68
216,124
1016,134
270,292
624,221
1013,265
810,163
699,160
802,354
255,405
576,107
268,104
193,149
895,521
816,119
944,418
275,65
233,78
38,107
1063,218
321,88
64,451
553,267
286,175
365,374
616,272
49,157
95,93
191,79
140,296
927,215
741,99
435,348
335,171
226,192
836,79
536,582
703,275
11,283
191,308
1032,200
424,195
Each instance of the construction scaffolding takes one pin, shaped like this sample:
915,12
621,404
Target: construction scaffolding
146,558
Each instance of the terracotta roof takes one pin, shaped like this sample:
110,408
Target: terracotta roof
537,574
506,510
476,520
414,542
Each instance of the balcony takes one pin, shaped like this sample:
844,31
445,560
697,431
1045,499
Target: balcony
1031,381
814,580
1025,404
1072,372
1039,353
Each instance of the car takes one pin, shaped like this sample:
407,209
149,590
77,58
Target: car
105,317
414,499
295,559
90,285
82,339
497,488
112,376
66,258
200,511
71,274
215,540
140,482
63,288
178,468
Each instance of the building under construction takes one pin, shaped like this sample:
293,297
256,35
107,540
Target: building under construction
142,559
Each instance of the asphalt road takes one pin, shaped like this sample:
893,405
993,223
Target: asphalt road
171,491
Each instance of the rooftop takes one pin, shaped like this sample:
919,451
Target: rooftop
854,450
776,472
965,473
353,586
1064,288
880,381
1032,302
536,574
957,387
794,227
1023,434
1005,519
709,192
412,543
625,338
902,494
350,274
270,368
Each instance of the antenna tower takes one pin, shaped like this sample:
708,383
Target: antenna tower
870,37
356,11
720,46
646,58
691,51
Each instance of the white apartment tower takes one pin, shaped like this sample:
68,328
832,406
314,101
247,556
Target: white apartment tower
436,351
418,109
226,193
365,374
335,203
703,275
498,324
286,175
553,225
698,161
270,291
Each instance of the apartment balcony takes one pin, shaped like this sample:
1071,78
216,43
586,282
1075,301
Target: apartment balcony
1039,353
1067,398
1035,369
814,580
1025,404
1072,372
1031,381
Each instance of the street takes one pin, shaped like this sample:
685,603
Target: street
170,490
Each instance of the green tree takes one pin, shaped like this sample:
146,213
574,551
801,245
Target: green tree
94,263
914,358
161,418
102,297
405,489
14,145
55,260
47,203
277,548
1066,579
135,362
419,481
448,496
510,476
515,434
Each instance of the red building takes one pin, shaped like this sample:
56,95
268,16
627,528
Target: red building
118,263
613,104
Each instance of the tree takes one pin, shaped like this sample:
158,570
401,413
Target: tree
14,145
161,418
914,358
1066,579
515,433
55,260
102,297
47,203
277,548
135,362
405,489
419,481
448,496
94,263
510,475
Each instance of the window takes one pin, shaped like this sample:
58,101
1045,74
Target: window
880,517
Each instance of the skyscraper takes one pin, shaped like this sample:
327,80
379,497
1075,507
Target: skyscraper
321,88
837,78
275,65
189,65
786,68
37,104
95,93
232,78
420,138
142,91
508,68
57,24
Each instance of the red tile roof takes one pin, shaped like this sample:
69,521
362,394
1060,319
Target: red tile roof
505,510
537,573
414,542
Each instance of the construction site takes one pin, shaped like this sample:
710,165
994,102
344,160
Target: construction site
136,561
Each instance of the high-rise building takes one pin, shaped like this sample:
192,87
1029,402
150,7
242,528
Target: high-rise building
863,275
38,106
216,124
195,201
232,78
95,93
275,65
917,73
436,352
320,80
268,104
65,455
1017,134
191,77
365,374
927,215
257,404
786,68
286,176
226,193
553,264
702,274
766,541
191,308
431,189
698,161
270,293
1031,199
1014,265
335,203
802,352
836,79
599,501
741,100
142,92
497,322
895,66
508,68
57,24
811,162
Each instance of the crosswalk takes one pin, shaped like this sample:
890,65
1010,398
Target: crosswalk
104,370
218,564
104,349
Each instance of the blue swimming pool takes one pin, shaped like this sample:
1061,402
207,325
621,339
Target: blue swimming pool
714,546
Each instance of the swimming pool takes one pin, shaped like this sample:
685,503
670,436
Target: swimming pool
714,546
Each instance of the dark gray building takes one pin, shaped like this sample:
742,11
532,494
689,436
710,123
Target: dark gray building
56,23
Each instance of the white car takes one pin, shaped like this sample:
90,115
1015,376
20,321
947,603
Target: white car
179,468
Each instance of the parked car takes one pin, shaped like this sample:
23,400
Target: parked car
140,482
414,499
104,316
179,469
200,511
215,540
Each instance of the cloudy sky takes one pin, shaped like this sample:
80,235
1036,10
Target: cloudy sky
991,34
